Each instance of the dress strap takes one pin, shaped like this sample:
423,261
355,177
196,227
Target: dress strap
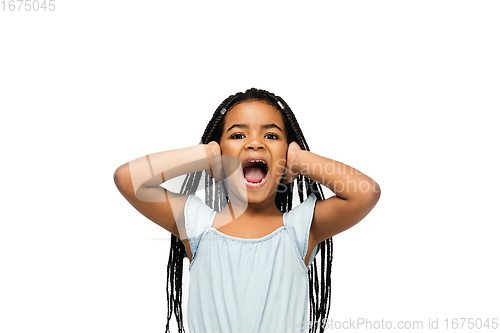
298,223
197,219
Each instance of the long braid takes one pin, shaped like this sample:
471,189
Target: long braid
216,197
319,306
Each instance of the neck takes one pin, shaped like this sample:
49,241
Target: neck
266,207
237,208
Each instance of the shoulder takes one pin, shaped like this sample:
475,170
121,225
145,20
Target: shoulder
304,211
198,218
196,214
298,222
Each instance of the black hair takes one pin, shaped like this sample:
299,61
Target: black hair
216,197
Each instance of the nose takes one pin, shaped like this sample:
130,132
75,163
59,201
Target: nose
254,143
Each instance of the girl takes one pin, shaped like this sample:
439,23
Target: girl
252,257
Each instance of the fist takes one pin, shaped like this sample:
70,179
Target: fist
291,170
215,160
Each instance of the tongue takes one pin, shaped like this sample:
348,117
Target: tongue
254,175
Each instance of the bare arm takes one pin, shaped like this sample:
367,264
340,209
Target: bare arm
355,193
138,181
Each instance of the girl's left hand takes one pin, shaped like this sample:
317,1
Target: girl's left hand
292,169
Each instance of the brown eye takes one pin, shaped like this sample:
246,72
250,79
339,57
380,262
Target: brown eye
236,136
271,136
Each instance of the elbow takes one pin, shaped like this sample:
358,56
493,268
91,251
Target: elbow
376,190
117,175
371,194
120,176
375,193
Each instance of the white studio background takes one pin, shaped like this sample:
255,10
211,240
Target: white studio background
404,91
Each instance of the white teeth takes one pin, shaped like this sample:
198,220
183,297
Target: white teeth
257,161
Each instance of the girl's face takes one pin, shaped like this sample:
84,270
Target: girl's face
254,132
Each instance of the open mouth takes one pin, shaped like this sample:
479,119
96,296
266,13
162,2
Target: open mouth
255,172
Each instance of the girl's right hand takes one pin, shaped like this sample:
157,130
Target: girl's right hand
215,160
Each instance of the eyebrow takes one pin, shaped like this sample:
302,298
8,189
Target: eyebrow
272,125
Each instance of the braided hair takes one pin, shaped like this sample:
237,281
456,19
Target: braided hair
216,197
